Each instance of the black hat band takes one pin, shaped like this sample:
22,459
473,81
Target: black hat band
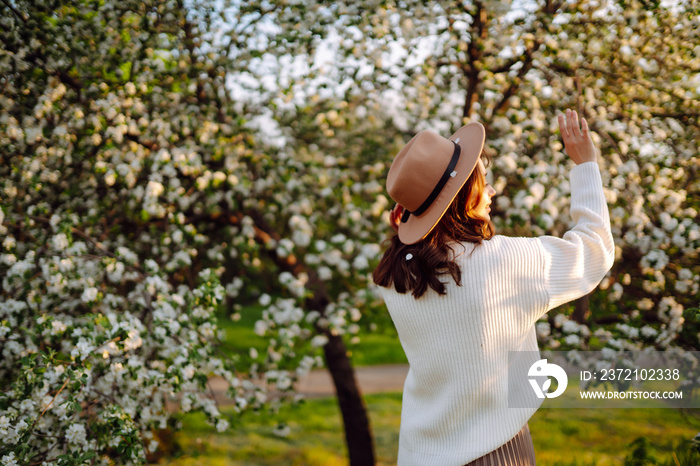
449,172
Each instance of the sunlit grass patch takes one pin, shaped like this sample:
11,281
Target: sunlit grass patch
315,436
566,437
380,347
603,436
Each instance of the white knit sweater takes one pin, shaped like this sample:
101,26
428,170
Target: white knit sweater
455,399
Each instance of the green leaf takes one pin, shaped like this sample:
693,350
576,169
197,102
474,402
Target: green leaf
87,456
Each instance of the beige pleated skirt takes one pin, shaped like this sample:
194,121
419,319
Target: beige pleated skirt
519,451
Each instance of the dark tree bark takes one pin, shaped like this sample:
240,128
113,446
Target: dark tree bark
582,310
358,434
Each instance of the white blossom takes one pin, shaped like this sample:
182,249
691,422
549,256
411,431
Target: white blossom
572,339
319,341
9,459
222,425
89,294
76,434
282,430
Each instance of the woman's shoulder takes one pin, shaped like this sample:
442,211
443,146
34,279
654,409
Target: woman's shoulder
499,241
500,246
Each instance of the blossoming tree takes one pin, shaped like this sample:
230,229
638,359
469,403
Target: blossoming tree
134,206
142,189
110,121
138,201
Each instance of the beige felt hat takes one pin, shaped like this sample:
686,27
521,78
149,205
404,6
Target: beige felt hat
427,174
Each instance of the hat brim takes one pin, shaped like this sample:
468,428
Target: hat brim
471,142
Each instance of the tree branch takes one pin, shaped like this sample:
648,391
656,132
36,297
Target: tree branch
152,146
77,232
15,11
50,402
478,33
527,60
677,116
507,65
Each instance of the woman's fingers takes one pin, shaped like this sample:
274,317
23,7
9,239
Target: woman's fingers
569,126
562,126
577,140
570,133
575,129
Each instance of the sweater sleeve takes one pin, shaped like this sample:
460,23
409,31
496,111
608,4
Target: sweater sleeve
575,264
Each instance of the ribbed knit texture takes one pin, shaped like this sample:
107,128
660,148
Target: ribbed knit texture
455,399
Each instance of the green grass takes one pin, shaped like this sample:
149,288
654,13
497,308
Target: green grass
381,347
563,437
240,336
603,436
377,348
315,437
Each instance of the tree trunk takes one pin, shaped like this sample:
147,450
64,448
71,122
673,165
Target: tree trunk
358,435
582,310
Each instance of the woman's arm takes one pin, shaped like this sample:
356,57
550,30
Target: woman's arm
576,263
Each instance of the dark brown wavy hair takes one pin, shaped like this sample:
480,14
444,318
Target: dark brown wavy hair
431,255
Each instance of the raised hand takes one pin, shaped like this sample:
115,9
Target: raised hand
577,142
